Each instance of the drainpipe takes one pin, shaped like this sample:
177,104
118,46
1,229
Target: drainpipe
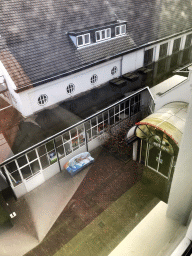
121,65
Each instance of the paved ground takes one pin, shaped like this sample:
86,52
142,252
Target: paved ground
37,211
109,202
106,231
94,209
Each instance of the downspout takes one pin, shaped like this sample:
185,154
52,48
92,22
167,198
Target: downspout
121,66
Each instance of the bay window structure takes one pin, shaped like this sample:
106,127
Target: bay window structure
83,39
103,34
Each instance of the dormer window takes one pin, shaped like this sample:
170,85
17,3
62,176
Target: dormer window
97,34
120,30
103,34
83,39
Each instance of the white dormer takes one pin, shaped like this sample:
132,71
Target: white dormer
83,40
97,34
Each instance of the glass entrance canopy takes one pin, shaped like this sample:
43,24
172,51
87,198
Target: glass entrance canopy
164,128
160,135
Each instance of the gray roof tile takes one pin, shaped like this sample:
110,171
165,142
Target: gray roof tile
35,45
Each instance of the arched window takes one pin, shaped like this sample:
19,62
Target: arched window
114,70
70,88
94,79
43,99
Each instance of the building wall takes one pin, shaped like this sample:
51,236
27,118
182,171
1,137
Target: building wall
14,97
132,61
57,90
27,102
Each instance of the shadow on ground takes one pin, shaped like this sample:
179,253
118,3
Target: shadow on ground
108,181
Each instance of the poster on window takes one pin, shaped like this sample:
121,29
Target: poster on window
52,157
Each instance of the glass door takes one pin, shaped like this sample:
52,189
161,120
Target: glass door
153,157
165,163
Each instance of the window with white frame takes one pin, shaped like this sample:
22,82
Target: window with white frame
176,45
120,30
70,88
103,34
188,40
47,154
114,70
163,50
43,99
23,167
97,124
13,173
94,79
148,56
70,141
83,39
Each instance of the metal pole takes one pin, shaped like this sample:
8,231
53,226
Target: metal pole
86,143
57,155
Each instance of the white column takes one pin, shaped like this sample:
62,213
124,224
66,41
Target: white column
180,198
156,54
183,38
135,146
170,47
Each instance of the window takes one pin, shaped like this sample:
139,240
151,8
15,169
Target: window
188,40
123,29
163,50
80,40
83,40
103,34
117,31
13,173
47,154
148,57
186,56
108,31
94,78
87,38
23,167
176,45
43,99
120,30
70,88
114,70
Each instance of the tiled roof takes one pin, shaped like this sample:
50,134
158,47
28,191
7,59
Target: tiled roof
18,75
34,44
151,20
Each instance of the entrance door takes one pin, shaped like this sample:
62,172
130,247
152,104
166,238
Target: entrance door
164,163
159,160
153,157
